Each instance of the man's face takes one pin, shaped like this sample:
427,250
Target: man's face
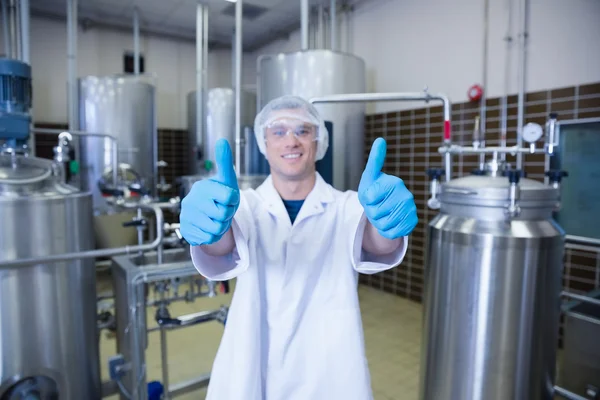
291,145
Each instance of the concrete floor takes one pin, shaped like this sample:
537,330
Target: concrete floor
392,328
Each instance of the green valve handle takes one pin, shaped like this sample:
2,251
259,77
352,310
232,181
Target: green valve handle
74,167
208,165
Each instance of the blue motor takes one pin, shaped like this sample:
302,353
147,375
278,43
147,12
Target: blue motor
15,102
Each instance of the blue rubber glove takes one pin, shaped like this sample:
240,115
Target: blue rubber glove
209,207
388,204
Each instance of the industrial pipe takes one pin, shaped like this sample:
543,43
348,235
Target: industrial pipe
72,62
24,17
507,65
320,27
11,264
584,240
333,25
205,55
524,17
304,24
454,149
13,33
567,394
5,28
199,72
368,97
238,86
114,153
583,299
483,106
147,274
136,41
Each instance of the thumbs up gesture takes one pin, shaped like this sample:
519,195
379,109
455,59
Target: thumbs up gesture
207,211
388,204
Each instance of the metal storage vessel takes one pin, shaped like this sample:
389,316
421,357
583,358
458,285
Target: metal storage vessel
48,330
124,107
317,73
492,299
219,122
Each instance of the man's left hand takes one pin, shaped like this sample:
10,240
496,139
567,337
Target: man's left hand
388,204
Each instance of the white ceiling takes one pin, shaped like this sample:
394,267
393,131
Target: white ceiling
177,18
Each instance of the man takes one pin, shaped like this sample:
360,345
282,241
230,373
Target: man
296,246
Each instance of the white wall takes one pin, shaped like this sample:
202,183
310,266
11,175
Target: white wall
100,52
408,44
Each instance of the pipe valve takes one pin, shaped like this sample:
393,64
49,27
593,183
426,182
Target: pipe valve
555,177
514,192
434,177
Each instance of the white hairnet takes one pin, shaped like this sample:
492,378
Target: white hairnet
298,109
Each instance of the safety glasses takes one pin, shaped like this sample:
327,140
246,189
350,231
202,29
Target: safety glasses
278,131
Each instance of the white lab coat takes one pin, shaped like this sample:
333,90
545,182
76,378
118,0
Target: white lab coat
294,329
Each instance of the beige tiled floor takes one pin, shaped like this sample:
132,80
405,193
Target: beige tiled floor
392,328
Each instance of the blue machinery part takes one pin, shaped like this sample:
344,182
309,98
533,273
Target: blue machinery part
15,101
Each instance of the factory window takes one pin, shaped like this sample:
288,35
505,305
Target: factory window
128,63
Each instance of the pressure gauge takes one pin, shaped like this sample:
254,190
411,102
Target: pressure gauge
532,132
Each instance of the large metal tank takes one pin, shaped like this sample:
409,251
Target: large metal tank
219,122
48,331
316,73
124,107
492,299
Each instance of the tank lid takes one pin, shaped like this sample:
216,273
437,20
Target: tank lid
492,191
20,172
24,177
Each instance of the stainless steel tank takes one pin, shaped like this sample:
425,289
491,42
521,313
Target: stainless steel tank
492,298
219,121
317,73
124,107
48,331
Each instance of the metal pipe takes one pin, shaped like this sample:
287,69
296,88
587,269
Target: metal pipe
146,275
483,105
583,299
199,74
238,85
24,15
507,65
72,62
114,146
163,355
11,264
205,55
12,25
584,240
304,24
136,41
522,78
333,24
568,394
367,97
487,150
5,28
320,28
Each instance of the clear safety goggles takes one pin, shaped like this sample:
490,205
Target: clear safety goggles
280,129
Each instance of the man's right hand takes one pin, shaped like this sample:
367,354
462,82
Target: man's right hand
209,207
